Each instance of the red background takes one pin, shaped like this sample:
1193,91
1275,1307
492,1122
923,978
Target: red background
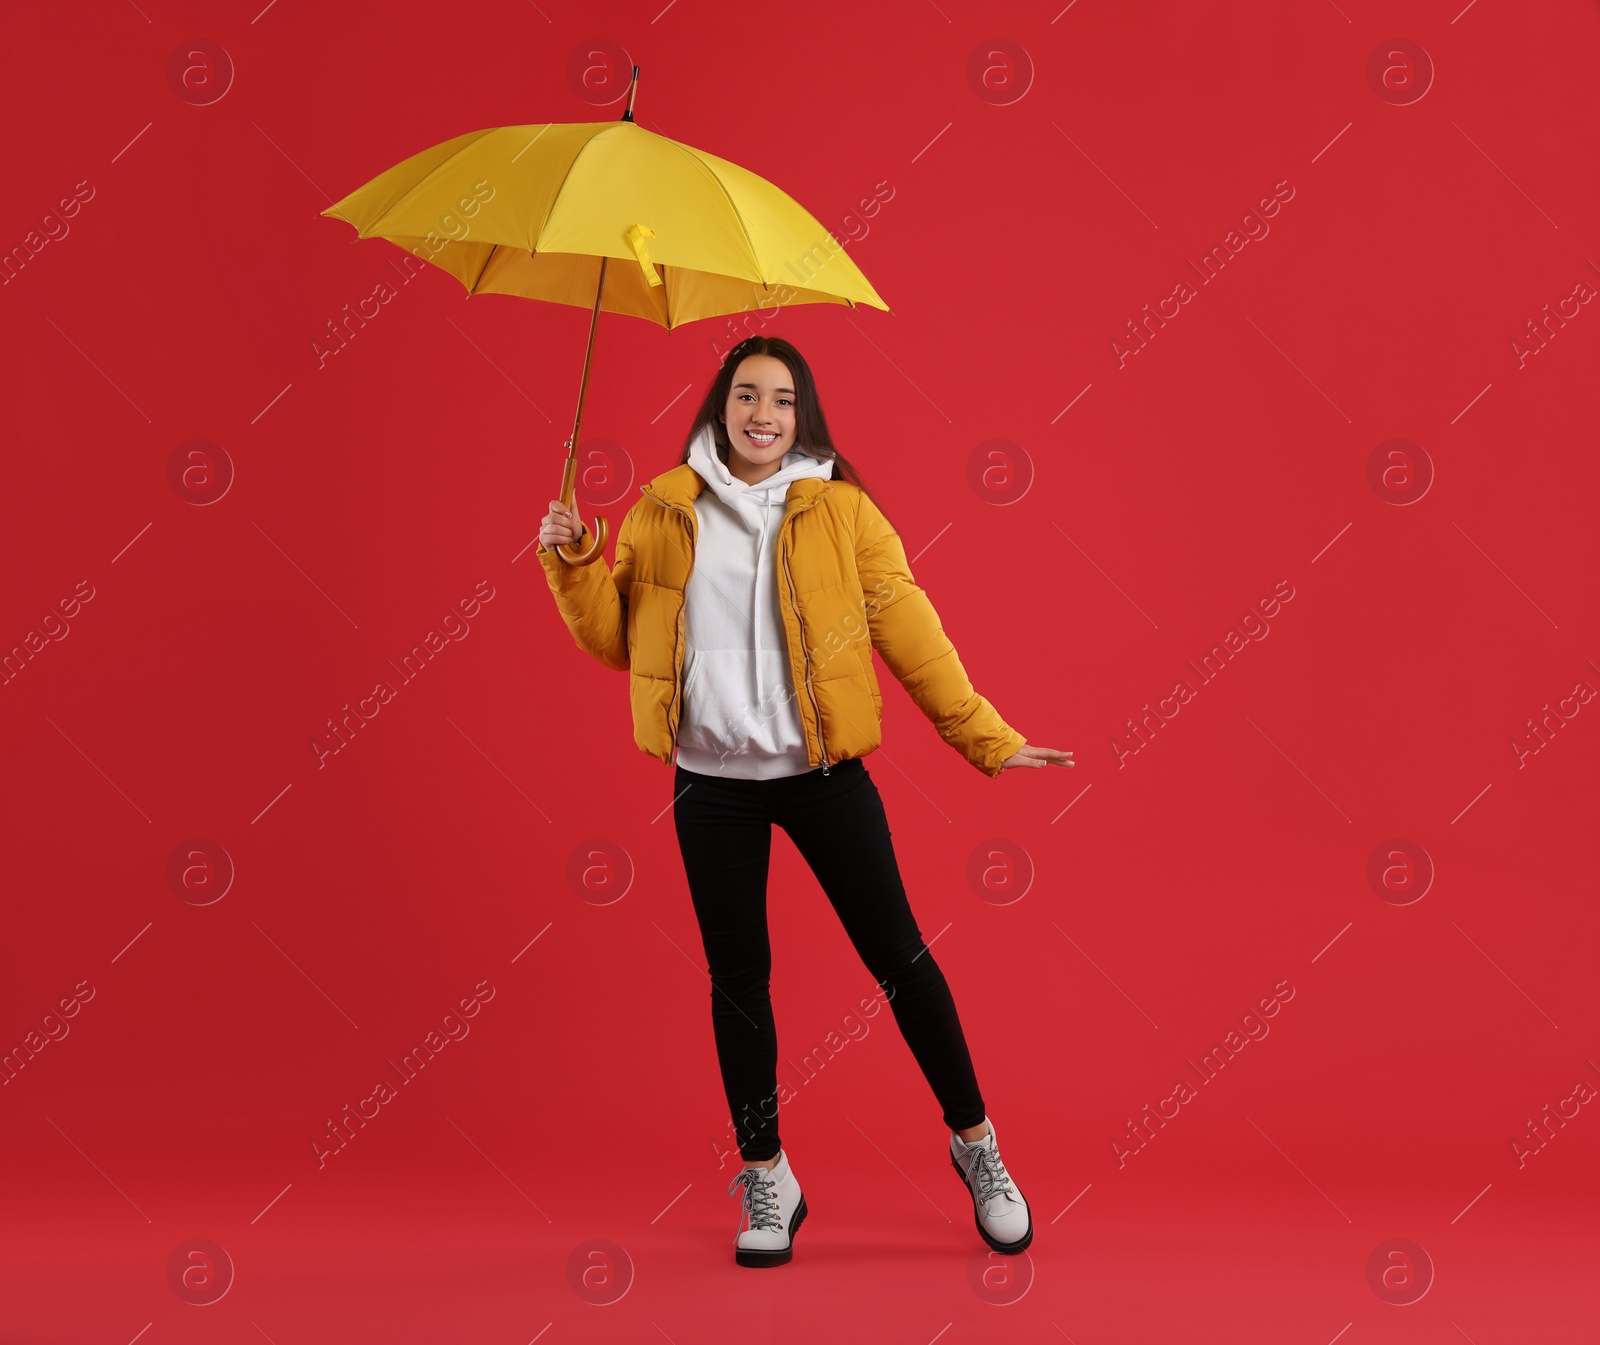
1165,891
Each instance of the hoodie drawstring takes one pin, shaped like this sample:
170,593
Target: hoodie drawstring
761,550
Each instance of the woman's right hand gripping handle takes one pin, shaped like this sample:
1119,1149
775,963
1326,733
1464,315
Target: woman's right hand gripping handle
560,527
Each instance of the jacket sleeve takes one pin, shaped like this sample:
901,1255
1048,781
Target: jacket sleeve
907,634
593,599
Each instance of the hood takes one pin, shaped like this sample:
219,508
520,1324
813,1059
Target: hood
750,502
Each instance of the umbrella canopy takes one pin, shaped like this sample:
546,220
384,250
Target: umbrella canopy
534,210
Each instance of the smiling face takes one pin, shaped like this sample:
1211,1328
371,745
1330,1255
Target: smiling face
759,416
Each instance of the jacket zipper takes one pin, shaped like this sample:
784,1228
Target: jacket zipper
804,653
677,636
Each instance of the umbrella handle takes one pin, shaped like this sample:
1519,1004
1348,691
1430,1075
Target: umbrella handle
593,546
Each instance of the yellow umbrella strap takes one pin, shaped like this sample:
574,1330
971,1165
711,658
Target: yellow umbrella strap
636,236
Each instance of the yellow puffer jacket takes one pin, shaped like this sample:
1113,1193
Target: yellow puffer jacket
844,589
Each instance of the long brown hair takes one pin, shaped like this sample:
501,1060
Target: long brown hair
810,425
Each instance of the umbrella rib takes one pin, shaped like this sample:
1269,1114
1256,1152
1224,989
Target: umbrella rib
555,196
706,169
477,279
442,164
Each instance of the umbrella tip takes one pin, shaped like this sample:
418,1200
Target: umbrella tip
633,88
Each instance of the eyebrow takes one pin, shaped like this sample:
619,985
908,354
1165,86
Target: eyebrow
753,388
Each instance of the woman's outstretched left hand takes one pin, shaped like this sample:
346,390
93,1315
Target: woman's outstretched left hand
1028,755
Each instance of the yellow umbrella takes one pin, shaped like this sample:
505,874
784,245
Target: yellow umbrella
539,211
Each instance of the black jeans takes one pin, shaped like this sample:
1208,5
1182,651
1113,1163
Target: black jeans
838,825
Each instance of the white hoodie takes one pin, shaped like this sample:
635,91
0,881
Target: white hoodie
739,716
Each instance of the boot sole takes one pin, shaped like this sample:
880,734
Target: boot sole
1004,1248
757,1258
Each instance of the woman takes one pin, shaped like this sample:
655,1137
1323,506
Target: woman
751,585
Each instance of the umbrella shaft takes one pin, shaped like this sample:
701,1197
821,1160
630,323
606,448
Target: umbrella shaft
588,355
570,470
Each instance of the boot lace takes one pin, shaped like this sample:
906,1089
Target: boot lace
760,1199
989,1174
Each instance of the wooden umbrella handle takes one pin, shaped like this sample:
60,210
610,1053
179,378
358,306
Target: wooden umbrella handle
593,545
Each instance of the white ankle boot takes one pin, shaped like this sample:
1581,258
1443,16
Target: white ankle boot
1000,1212
774,1208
